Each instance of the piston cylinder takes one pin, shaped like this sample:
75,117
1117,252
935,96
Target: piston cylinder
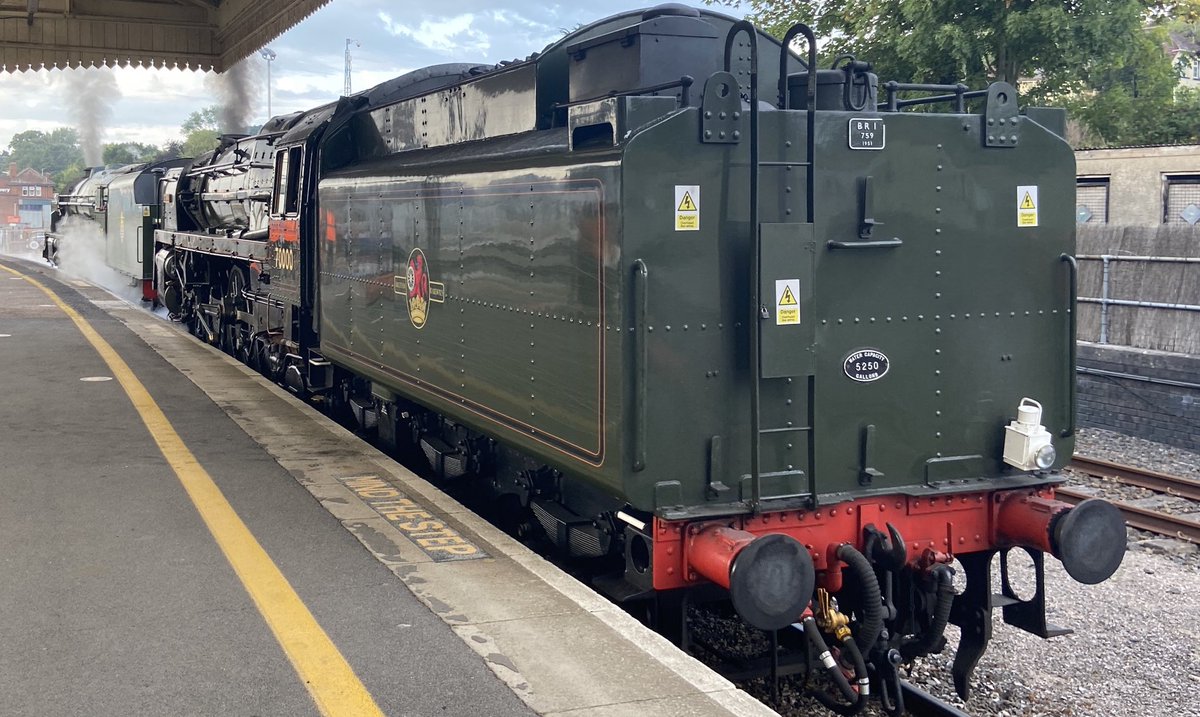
770,579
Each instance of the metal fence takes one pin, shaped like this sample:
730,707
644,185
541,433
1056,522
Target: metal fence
1140,287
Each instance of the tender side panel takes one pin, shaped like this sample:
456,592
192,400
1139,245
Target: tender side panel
123,245
480,295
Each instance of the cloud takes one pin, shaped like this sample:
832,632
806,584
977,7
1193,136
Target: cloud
309,68
447,35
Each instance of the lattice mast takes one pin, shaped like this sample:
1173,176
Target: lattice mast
346,88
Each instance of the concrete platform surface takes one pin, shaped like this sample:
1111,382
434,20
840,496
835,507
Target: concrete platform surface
117,601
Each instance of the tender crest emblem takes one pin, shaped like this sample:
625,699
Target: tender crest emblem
418,289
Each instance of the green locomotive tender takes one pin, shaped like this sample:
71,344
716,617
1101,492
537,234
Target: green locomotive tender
676,294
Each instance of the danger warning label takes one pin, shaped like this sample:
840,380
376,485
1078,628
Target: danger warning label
687,207
787,308
1027,206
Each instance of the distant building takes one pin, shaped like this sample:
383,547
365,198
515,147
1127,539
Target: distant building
1143,186
26,197
1184,51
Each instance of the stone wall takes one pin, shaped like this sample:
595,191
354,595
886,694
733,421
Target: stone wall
1148,394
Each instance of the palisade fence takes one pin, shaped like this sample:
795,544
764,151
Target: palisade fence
1139,286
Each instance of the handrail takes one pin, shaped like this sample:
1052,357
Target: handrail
810,87
1072,343
960,94
641,276
756,258
784,53
684,84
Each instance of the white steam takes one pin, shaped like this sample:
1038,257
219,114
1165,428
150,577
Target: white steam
92,92
237,89
81,254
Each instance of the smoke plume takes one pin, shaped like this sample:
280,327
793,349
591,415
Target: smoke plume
93,92
237,89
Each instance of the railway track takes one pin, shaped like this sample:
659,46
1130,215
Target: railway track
1141,518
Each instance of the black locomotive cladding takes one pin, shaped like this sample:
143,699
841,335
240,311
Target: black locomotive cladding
721,321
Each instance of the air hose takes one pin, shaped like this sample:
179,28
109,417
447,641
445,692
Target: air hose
920,646
858,699
835,673
871,623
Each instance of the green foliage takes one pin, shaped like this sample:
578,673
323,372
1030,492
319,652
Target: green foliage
69,176
199,142
208,118
52,151
129,153
1095,57
958,40
200,131
170,150
1134,100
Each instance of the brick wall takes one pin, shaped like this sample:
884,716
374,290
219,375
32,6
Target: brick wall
1164,412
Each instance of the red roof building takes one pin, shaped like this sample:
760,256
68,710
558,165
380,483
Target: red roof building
26,197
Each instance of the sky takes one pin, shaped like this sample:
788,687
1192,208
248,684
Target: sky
308,71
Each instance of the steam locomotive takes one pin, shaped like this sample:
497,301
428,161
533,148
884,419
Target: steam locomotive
675,295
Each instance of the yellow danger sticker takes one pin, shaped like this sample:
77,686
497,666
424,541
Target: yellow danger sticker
1027,206
787,308
687,207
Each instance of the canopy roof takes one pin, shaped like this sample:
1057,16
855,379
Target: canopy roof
197,34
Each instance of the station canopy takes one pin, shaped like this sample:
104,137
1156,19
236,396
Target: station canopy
195,34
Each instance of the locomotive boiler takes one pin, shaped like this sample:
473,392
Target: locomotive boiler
674,295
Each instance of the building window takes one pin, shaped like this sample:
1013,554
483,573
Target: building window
1181,199
1196,69
25,191
1091,200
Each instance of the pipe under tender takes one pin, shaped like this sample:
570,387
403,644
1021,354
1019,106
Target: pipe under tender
770,579
1088,538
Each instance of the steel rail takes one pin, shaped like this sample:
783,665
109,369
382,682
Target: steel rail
1152,480
1143,519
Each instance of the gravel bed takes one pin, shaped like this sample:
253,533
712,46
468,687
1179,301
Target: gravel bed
1119,448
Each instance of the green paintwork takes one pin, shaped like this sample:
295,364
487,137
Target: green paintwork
970,309
540,339
127,235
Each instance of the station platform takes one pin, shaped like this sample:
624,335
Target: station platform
180,536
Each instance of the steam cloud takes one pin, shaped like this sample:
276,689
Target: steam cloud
81,254
93,92
237,90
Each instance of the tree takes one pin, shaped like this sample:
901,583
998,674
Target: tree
52,151
200,131
1096,57
129,153
947,41
1131,100
170,150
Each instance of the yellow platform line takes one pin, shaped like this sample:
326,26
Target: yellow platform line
320,665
